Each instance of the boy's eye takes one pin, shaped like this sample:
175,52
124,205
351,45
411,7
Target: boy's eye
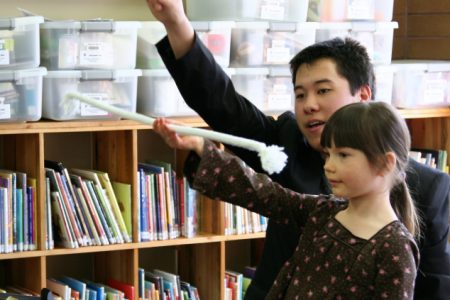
299,96
323,91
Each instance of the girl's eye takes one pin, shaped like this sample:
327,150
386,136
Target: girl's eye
342,154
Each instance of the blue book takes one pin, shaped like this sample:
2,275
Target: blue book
99,289
91,294
77,285
30,196
144,201
169,289
19,219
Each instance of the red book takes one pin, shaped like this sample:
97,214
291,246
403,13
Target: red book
127,289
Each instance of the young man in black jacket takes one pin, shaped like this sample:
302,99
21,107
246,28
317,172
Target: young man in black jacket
326,76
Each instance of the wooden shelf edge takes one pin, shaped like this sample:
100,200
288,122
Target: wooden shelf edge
84,125
48,126
423,113
200,239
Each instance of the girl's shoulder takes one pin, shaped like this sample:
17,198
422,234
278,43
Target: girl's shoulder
327,206
395,237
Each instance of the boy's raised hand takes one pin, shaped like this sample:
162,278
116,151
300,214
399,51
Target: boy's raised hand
174,140
167,11
178,28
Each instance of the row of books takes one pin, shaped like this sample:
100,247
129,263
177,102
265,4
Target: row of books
84,208
431,157
17,212
162,285
69,288
239,220
167,205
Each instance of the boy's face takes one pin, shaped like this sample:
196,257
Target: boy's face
319,91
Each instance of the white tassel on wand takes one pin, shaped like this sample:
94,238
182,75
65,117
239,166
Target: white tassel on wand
273,159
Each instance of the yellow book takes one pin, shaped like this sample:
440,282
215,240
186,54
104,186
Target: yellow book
123,195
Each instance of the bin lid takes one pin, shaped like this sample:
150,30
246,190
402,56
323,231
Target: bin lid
11,23
91,25
10,75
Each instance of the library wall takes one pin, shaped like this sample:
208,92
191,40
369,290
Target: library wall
80,9
423,29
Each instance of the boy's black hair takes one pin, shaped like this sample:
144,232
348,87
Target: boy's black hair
351,58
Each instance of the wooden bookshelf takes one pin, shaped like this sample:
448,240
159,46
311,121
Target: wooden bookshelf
114,147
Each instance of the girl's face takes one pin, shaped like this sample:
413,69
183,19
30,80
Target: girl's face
351,175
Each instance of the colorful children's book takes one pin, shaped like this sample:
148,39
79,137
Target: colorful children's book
127,289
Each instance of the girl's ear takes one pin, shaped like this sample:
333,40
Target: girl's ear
391,161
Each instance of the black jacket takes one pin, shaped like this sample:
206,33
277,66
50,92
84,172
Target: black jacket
210,92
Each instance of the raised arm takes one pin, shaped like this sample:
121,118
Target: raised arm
179,31
204,85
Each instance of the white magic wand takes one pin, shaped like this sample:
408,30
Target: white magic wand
273,159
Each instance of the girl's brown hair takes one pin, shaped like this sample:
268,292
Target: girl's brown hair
376,128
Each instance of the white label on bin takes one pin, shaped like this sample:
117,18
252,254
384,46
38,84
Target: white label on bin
434,91
361,9
272,10
68,51
89,110
278,53
96,53
5,109
6,46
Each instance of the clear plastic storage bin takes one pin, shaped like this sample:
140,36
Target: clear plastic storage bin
158,96
349,10
147,56
115,87
279,91
256,44
217,38
19,42
377,37
88,44
251,83
421,84
384,81
238,10
21,94
215,35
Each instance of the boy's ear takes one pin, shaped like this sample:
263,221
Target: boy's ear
365,93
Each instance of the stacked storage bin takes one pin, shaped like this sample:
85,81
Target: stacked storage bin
20,75
367,21
260,54
92,58
421,84
157,92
